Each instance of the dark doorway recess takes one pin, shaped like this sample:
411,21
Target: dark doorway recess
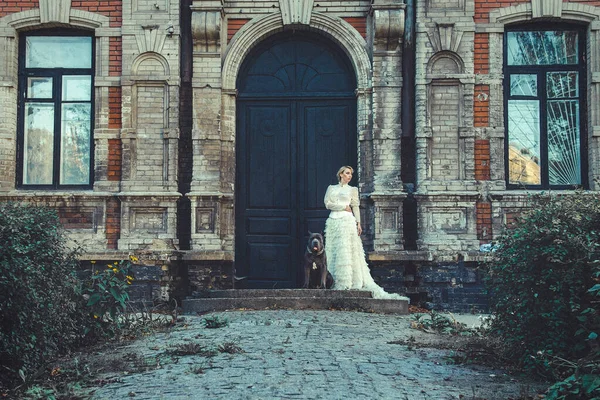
296,125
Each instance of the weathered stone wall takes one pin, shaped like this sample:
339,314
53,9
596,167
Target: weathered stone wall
165,129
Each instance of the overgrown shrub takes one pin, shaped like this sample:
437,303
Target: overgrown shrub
540,280
42,311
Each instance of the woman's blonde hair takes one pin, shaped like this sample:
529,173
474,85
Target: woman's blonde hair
342,169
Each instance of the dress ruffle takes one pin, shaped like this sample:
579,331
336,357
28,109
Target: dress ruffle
346,258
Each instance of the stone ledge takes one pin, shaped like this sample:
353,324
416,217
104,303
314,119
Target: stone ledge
402,255
361,304
216,255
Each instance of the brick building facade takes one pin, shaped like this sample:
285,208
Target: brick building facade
452,112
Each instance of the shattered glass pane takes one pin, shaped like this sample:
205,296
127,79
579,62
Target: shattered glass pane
523,85
562,84
524,142
542,47
564,157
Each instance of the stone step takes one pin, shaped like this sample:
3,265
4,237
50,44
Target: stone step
363,304
280,293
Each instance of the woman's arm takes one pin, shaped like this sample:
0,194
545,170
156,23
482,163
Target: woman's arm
331,203
355,204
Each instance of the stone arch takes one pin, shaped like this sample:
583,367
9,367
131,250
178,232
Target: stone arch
151,61
336,29
31,19
445,62
526,12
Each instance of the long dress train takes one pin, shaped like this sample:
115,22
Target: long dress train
345,253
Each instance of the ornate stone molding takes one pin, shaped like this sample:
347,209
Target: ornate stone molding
388,22
444,37
33,18
206,26
55,11
152,39
296,11
149,57
525,12
546,8
206,31
335,28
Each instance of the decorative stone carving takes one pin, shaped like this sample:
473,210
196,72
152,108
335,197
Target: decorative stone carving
445,5
445,38
148,220
296,11
546,8
206,30
55,11
388,18
152,39
205,220
444,63
150,64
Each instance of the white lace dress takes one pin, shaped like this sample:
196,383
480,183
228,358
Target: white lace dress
344,248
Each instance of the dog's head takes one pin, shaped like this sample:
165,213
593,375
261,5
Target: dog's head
315,243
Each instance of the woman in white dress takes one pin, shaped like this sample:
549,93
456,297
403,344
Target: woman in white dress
343,246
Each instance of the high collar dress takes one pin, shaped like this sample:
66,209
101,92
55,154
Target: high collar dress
343,246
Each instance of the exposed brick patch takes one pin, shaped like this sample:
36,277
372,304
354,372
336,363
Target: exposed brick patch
482,160
114,107
359,23
511,216
482,53
109,8
13,6
483,211
234,25
76,219
114,159
483,8
115,56
481,112
113,222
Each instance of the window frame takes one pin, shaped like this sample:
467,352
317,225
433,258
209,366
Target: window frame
540,72
57,75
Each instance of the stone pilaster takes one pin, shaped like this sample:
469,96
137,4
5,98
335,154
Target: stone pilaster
594,113
212,183
150,84
387,194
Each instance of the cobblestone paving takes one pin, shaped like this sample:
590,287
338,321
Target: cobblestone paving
304,355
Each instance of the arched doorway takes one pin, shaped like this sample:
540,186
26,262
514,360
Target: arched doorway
296,124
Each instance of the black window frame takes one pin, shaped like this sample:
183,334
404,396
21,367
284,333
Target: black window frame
540,72
57,75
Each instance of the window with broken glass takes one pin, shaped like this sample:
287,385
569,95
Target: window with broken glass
544,103
55,110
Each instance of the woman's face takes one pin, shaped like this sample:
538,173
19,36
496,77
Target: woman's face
346,176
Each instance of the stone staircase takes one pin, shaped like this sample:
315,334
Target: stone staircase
293,299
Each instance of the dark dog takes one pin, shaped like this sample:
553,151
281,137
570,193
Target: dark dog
315,264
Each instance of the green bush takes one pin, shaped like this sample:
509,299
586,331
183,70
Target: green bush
107,294
42,310
541,281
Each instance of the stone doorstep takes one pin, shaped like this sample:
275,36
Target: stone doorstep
252,293
361,304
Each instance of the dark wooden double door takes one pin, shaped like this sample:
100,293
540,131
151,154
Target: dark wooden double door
288,151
